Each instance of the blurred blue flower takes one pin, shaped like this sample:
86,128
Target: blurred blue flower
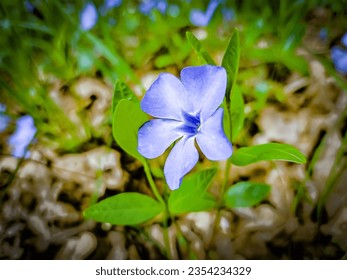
4,120
112,4
22,137
339,58
88,16
199,18
147,6
323,34
344,40
187,111
108,5
228,14
29,6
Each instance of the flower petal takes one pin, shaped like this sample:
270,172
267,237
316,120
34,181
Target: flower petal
212,140
206,87
88,16
339,57
344,39
23,136
166,98
200,18
155,136
180,161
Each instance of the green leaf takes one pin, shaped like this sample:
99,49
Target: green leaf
231,60
192,196
124,209
245,194
122,91
270,151
197,47
164,61
237,115
127,119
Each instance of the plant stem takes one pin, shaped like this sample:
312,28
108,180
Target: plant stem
225,181
163,203
220,202
152,184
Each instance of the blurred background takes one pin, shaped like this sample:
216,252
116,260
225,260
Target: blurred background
59,62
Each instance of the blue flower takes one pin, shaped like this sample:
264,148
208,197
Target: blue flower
344,40
323,34
4,120
22,137
199,18
108,5
339,56
186,110
112,4
88,16
147,6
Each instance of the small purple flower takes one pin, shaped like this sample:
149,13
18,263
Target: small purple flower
199,18
147,6
228,14
109,4
88,16
323,34
344,40
22,137
339,58
4,119
187,111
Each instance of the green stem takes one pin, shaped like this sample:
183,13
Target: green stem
220,202
163,203
225,181
152,184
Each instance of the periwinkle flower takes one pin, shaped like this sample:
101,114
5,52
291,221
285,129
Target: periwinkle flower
344,40
22,137
4,119
200,18
88,16
339,56
112,4
186,110
323,34
108,5
147,6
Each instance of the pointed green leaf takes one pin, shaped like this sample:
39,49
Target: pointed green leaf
197,47
245,194
237,115
270,151
231,60
122,91
127,119
124,209
192,196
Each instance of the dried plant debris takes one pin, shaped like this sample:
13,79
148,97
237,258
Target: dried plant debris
42,207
